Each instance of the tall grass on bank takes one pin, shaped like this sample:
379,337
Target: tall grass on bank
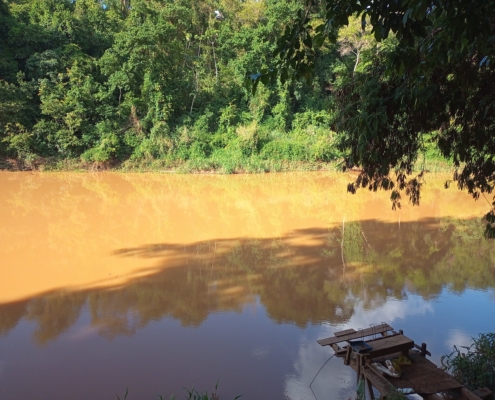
192,394
474,365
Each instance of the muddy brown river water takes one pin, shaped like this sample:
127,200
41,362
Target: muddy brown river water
158,282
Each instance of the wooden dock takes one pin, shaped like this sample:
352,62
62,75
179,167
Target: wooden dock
361,349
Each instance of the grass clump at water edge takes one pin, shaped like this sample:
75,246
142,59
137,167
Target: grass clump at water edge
192,394
474,367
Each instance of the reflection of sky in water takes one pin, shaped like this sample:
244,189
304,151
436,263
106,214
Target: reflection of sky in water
245,350
448,320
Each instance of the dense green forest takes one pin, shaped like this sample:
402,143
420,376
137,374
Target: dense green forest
161,83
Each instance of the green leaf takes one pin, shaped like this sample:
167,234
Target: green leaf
406,16
265,79
318,40
283,75
308,42
363,21
255,86
320,28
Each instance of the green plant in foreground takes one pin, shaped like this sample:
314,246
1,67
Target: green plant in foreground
125,395
476,367
192,394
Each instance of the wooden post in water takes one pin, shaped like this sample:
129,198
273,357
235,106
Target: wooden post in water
423,349
347,359
370,389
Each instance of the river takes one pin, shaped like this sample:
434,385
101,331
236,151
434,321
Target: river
154,282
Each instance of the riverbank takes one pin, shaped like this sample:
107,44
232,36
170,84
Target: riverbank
210,165
202,165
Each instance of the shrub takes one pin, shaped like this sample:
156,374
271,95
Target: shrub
311,118
476,367
247,136
19,140
284,149
105,149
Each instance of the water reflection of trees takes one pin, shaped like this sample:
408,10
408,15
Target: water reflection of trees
309,276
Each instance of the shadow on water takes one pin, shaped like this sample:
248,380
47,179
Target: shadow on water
306,277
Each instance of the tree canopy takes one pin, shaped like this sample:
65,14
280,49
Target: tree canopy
430,80
144,81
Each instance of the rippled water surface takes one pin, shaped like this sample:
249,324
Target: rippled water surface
159,282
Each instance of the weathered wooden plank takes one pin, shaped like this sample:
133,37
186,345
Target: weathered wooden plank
469,395
347,359
370,389
339,351
345,332
356,335
434,384
432,397
389,345
377,380
484,393
461,395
